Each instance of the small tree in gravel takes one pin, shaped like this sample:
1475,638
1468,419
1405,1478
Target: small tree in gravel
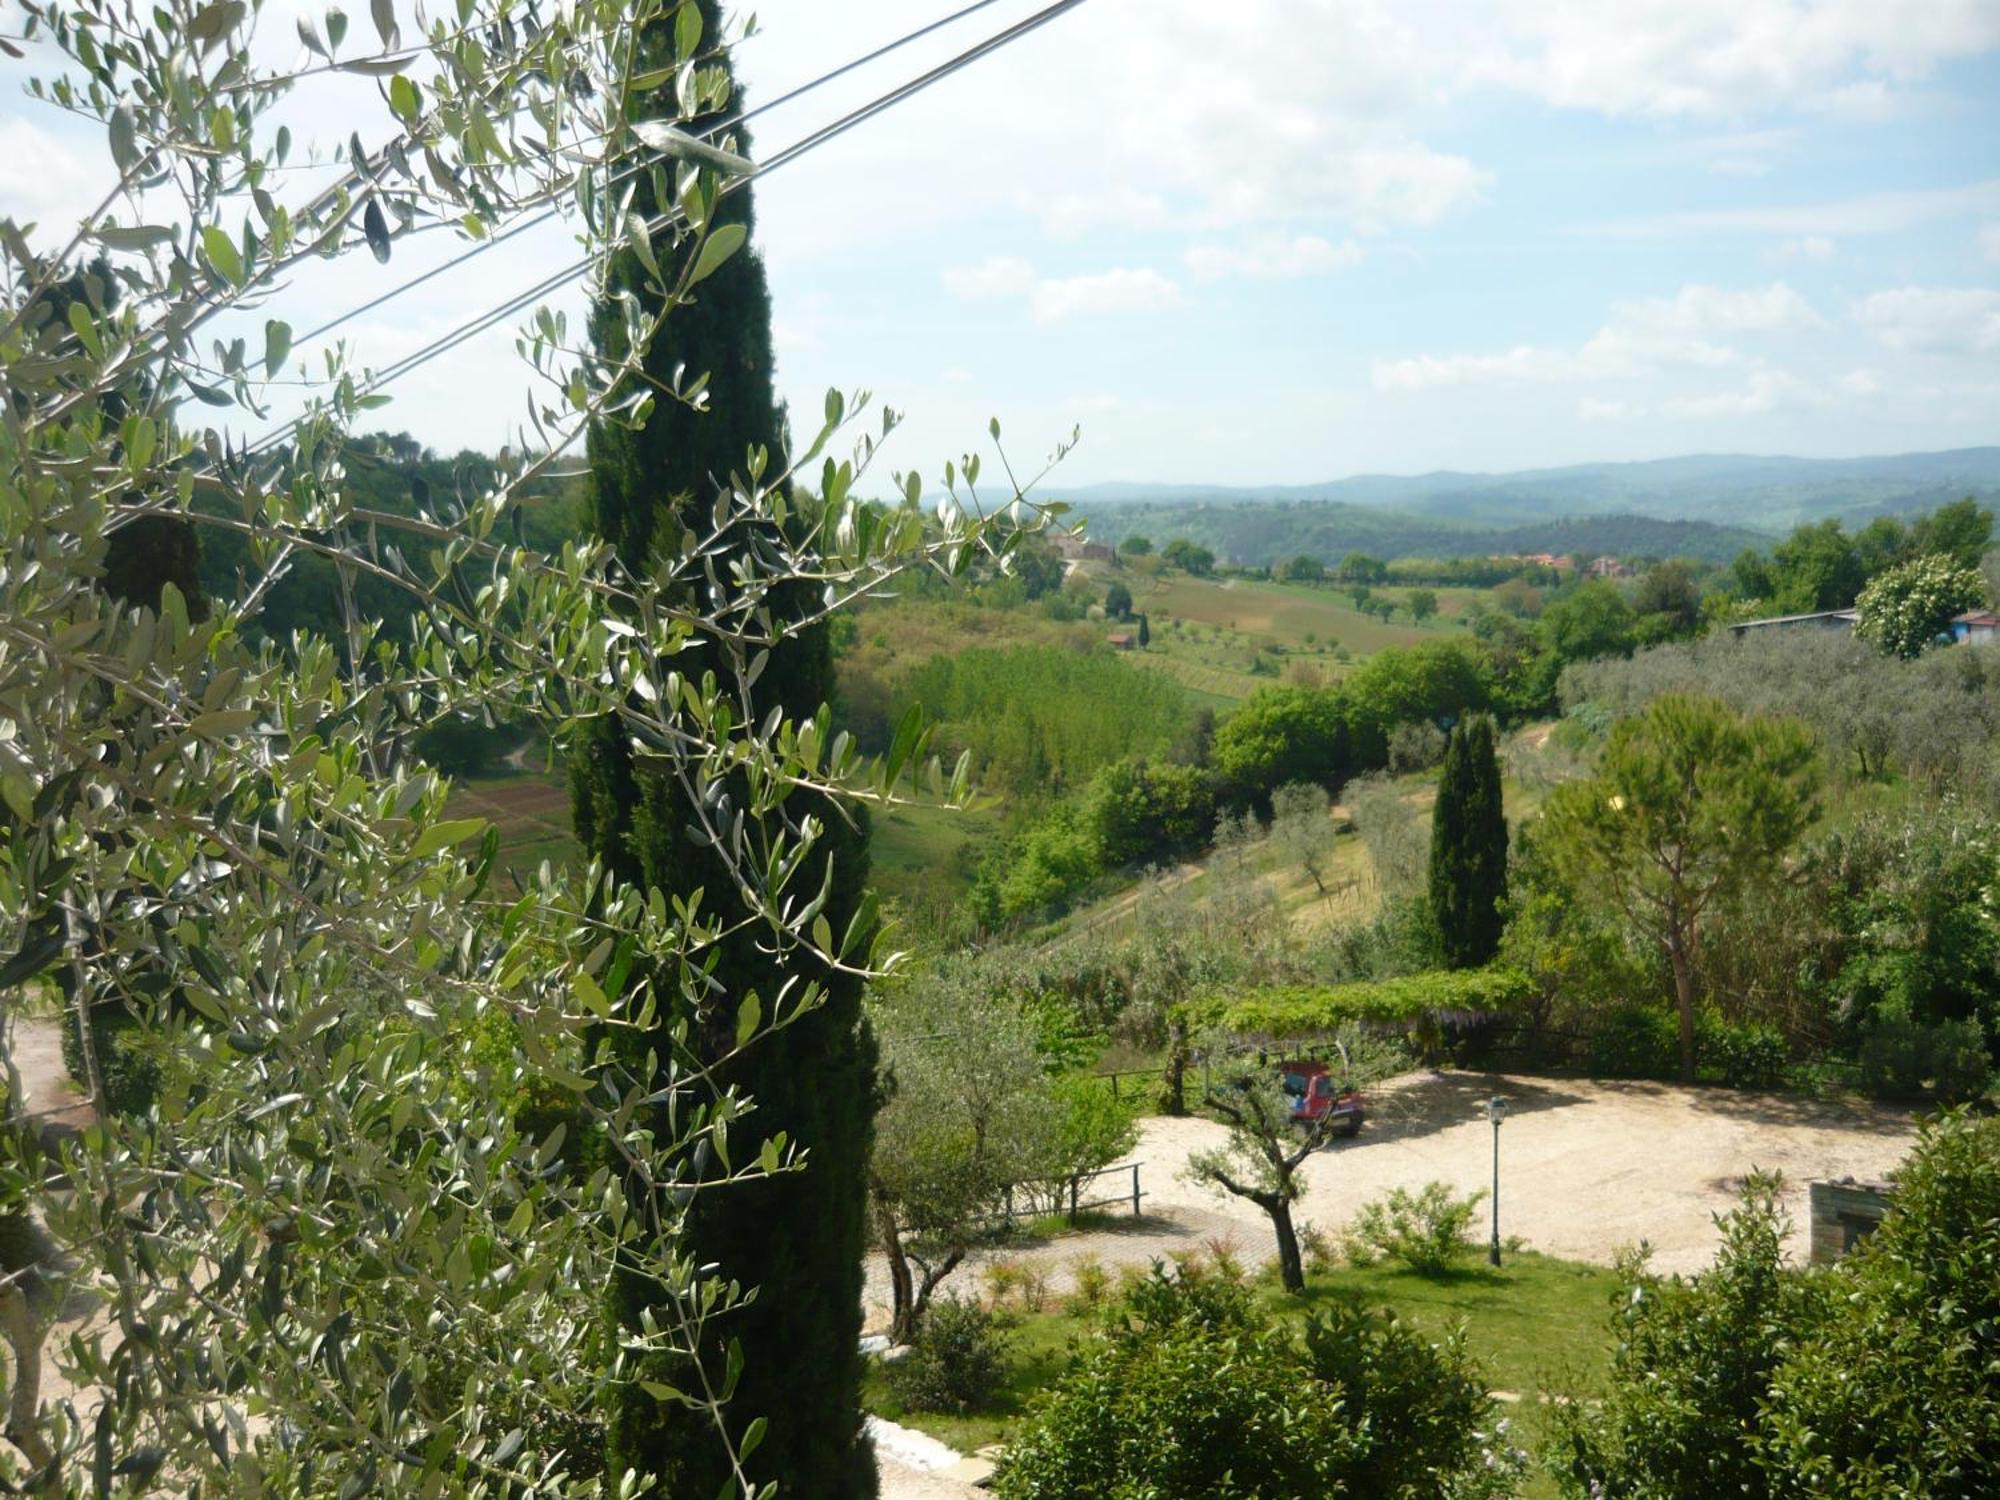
1266,1149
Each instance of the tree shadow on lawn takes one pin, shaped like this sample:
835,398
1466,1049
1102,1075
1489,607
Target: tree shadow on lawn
1424,1104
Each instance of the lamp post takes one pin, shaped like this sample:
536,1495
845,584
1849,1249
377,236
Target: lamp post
1496,1111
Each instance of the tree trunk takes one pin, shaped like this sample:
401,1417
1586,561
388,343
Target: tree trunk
1683,962
1174,1097
902,1303
1291,1269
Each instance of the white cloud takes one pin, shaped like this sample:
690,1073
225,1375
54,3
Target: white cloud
1989,243
1933,320
1719,58
996,276
1125,289
1816,249
1744,153
1591,409
958,375
1859,383
42,180
1133,289
1713,309
1642,336
1871,213
1765,391
1271,257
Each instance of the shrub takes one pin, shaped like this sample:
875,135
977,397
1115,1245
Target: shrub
1415,747
1224,1260
959,1358
1159,1298
1425,1230
1635,1041
1898,1056
1961,1068
131,1077
1090,1284
1003,1280
1307,1009
1744,1054
1317,1250
1350,1403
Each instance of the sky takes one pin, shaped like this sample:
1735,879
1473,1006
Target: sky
1280,241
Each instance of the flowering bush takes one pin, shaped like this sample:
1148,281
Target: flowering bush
1907,608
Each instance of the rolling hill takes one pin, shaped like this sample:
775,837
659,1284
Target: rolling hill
1700,506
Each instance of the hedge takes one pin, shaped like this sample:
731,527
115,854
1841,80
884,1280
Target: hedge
1306,1009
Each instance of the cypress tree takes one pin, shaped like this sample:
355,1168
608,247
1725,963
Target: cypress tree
143,555
797,1239
1468,875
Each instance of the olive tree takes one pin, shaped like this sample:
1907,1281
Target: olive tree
1267,1149
1302,830
972,1113
357,1243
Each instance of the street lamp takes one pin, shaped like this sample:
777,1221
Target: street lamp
1496,1111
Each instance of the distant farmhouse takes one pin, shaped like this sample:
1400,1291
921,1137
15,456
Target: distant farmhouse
1607,567
1978,627
1824,619
1073,548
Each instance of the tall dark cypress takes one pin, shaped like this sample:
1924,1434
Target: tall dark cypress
144,555
798,1239
1468,876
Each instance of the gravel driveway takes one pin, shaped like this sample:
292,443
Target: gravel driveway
1586,1168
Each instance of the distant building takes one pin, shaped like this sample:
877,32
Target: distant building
1545,560
1607,567
1121,640
1823,619
1978,627
1073,548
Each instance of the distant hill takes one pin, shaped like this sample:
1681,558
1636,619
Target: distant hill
1764,493
1264,532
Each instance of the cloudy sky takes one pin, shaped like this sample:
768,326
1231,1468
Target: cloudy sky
1286,240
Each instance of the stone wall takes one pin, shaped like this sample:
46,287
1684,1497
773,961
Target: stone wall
1843,1214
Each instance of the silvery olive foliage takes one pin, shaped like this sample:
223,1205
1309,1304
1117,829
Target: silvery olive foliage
335,1257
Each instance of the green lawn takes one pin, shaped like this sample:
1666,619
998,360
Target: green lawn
1537,1324
919,853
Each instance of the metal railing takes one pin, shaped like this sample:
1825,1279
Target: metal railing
1065,1195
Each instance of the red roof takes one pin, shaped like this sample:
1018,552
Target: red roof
1977,617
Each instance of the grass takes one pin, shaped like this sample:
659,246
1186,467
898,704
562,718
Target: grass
1537,1324
1286,614
531,810
919,853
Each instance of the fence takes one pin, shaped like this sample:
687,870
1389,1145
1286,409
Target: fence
1066,1195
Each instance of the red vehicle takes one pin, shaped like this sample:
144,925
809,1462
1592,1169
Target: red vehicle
1317,1098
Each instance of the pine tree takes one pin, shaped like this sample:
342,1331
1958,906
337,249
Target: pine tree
799,1238
1468,874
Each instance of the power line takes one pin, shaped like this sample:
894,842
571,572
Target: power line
483,321
544,217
